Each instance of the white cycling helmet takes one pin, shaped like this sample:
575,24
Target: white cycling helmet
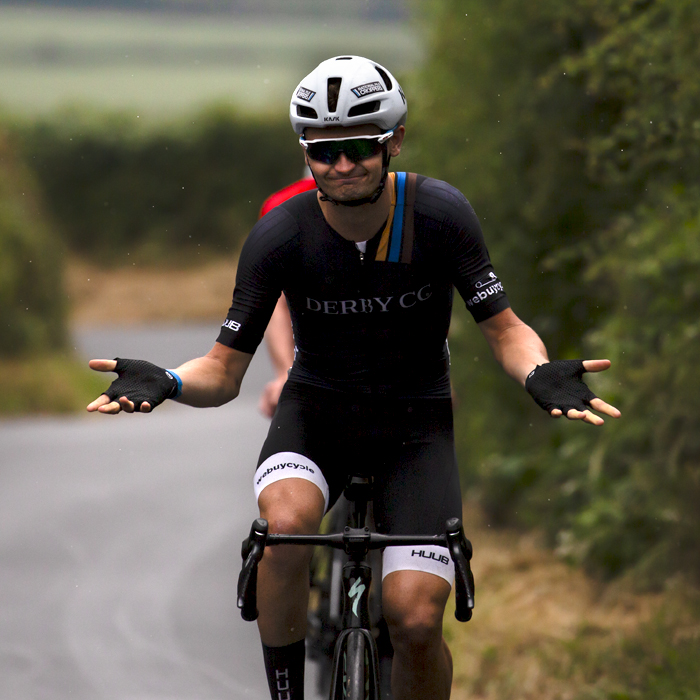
348,90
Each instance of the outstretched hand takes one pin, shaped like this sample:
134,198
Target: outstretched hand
596,404
105,404
547,396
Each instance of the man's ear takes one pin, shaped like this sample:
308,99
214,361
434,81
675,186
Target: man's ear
395,142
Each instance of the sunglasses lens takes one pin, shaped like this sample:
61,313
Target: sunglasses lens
355,149
359,149
324,152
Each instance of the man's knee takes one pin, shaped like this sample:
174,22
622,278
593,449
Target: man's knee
414,605
291,507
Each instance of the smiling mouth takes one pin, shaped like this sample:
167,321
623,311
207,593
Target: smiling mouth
350,178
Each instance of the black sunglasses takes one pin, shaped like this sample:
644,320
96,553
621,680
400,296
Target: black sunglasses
355,148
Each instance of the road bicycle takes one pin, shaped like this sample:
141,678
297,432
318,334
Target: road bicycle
325,614
355,670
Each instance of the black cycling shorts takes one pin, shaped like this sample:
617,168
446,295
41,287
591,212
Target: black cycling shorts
407,445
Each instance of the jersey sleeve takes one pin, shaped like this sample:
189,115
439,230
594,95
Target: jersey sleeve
467,256
258,283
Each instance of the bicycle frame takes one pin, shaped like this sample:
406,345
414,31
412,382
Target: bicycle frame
357,541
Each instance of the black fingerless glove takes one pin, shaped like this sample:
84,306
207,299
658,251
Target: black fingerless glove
143,382
559,385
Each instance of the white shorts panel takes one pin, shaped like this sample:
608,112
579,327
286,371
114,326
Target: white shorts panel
289,465
429,558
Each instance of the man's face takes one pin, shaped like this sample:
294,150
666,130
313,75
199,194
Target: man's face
345,180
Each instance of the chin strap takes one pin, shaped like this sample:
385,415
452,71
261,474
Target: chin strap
370,199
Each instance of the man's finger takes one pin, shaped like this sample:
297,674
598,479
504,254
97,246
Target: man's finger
126,405
103,365
602,407
596,365
104,404
585,416
101,403
112,408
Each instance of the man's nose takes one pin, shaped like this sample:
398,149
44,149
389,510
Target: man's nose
343,164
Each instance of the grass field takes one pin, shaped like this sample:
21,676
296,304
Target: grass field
163,65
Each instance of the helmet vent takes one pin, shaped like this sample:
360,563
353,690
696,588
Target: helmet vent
366,108
333,92
306,112
385,77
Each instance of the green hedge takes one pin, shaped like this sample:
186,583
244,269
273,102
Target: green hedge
573,129
118,193
32,309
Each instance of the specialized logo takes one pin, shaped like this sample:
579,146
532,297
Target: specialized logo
356,591
284,465
368,306
439,558
231,325
305,94
485,288
368,89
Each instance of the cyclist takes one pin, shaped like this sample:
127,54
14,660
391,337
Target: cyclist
279,337
367,264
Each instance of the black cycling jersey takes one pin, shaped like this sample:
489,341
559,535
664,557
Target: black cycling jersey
372,322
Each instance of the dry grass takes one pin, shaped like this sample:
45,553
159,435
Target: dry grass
529,606
140,295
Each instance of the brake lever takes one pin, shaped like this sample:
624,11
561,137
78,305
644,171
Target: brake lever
252,550
461,551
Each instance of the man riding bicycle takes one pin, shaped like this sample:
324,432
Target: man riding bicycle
367,264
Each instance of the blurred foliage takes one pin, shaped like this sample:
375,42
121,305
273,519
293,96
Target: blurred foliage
32,313
46,382
658,660
119,193
574,130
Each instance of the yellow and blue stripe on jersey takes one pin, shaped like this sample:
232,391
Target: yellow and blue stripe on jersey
396,242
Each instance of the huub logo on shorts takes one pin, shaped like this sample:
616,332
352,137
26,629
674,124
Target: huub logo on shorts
424,554
432,559
367,89
305,94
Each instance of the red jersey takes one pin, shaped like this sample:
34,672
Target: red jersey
303,185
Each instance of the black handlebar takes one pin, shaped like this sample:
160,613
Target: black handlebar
461,552
357,541
252,551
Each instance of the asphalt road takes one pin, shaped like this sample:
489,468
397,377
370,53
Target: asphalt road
120,539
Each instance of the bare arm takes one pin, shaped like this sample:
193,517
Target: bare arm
211,380
514,344
519,350
214,379
280,344
279,338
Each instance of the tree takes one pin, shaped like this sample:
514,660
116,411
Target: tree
573,129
